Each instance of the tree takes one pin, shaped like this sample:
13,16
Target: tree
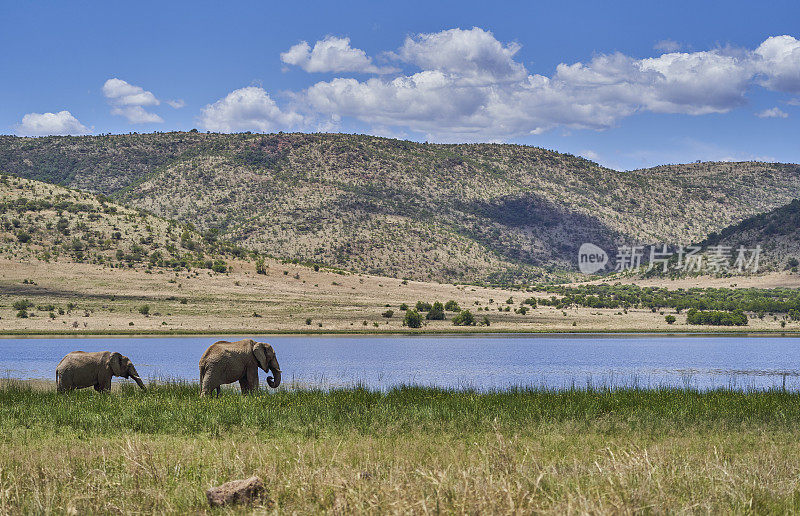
412,319
452,306
464,318
436,313
423,306
670,319
261,266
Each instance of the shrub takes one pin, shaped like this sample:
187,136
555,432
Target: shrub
423,306
23,237
412,319
716,317
452,306
436,312
22,304
308,321
403,307
670,319
388,314
144,309
261,266
22,314
464,318
531,301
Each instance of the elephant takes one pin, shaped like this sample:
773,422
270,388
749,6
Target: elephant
227,362
80,369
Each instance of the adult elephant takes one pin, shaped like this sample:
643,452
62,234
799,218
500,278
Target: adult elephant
80,369
227,362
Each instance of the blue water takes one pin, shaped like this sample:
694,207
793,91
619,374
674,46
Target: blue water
482,362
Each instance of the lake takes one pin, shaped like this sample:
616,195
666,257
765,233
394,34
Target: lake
482,362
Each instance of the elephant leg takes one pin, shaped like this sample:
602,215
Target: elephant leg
252,378
206,387
98,388
244,384
219,390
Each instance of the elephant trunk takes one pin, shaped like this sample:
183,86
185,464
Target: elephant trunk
274,380
139,382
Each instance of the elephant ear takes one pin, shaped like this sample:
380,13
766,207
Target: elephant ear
115,364
260,352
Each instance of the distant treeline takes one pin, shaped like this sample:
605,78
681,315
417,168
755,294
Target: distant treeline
758,300
716,318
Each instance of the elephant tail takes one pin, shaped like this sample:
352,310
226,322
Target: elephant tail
202,372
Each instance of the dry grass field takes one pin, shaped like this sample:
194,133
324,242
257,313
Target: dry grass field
284,299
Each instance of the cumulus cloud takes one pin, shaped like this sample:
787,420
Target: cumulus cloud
248,109
466,85
331,54
777,59
45,124
470,86
129,100
667,45
137,115
772,113
473,54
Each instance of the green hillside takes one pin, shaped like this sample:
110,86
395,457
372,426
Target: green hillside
478,212
776,231
52,223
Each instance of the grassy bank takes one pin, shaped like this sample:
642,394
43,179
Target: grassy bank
405,450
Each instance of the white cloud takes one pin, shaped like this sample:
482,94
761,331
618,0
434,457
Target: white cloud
667,45
176,103
465,85
473,53
331,54
470,87
44,124
128,100
778,60
772,113
590,154
124,94
137,115
248,109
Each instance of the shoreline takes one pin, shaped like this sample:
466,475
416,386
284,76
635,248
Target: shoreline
444,333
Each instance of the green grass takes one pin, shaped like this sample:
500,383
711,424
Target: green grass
404,450
178,409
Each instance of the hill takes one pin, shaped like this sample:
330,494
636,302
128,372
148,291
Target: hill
776,231
53,223
478,212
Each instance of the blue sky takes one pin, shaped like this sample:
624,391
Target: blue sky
628,84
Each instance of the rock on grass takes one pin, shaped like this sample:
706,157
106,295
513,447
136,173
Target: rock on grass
243,492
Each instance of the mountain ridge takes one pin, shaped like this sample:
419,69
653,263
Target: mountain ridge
447,212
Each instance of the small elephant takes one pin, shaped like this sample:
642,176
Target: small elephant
80,369
227,362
